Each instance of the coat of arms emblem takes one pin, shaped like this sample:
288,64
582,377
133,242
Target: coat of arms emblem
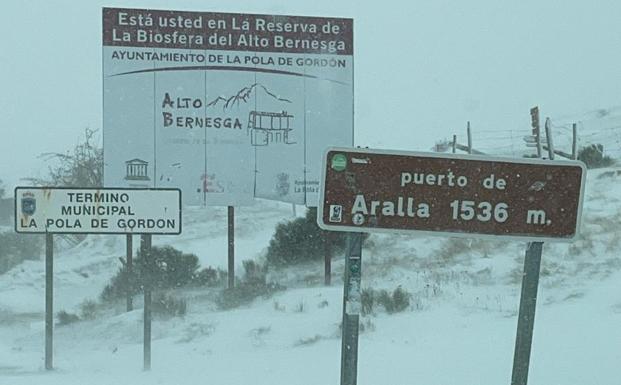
282,184
29,203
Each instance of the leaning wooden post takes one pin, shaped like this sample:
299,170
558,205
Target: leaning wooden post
469,139
534,117
49,301
574,143
549,139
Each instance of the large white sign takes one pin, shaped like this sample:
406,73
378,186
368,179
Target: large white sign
97,211
227,107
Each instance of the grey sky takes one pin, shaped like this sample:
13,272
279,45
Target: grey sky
422,68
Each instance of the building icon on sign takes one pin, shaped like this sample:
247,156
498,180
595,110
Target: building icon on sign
269,127
137,169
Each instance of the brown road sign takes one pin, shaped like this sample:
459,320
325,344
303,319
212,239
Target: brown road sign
375,190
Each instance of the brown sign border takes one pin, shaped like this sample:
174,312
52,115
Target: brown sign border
362,229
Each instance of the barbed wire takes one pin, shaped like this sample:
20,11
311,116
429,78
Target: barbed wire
600,126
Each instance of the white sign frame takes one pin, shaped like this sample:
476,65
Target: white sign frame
130,207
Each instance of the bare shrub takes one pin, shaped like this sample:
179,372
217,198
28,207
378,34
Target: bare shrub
66,318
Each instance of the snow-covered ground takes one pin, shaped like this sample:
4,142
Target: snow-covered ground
459,329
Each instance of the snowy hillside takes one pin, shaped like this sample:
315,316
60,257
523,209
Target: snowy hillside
459,329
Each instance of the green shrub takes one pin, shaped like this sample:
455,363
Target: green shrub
88,309
384,299
210,277
308,341
323,304
168,268
400,300
65,318
253,285
255,274
301,240
168,305
593,156
365,326
16,248
367,300
122,283
395,302
299,308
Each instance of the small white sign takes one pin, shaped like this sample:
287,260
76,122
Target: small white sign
97,211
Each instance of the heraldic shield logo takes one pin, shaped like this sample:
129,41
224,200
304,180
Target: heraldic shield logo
282,184
29,203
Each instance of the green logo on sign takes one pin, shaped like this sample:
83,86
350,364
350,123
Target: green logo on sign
339,162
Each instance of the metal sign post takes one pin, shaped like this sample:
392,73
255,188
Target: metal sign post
501,198
526,317
530,285
129,269
327,263
351,309
49,301
231,237
145,251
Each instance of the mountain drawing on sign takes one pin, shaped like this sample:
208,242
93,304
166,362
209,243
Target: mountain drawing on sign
243,96
264,127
